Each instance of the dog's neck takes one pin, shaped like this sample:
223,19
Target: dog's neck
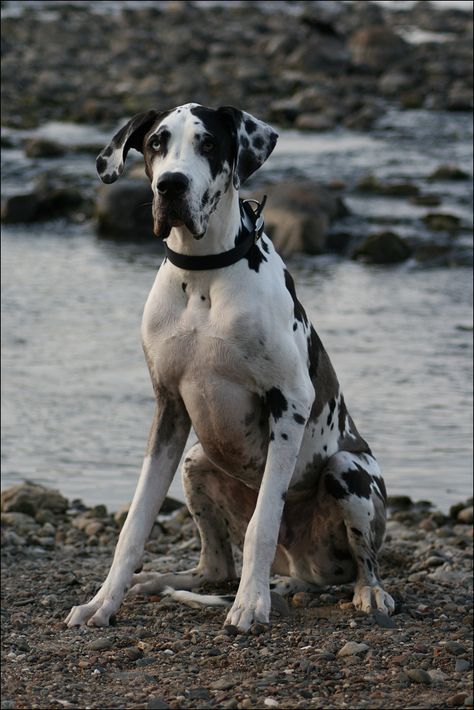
222,229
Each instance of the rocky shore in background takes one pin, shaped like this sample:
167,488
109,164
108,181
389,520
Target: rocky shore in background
308,65
313,66
316,652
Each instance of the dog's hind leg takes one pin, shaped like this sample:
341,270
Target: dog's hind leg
221,508
354,481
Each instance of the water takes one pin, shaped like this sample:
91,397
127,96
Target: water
77,402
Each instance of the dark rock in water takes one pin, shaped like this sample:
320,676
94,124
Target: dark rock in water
50,199
299,214
124,210
460,97
29,498
449,172
377,47
19,208
43,148
426,200
370,183
383,248
442,222
395,503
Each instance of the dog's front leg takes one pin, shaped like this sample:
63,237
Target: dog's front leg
166,443
252,602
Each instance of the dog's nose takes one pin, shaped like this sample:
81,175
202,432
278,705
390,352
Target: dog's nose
172,184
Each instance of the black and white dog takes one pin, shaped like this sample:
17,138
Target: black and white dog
280,467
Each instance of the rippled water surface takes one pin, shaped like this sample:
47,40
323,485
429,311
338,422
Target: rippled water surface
77,402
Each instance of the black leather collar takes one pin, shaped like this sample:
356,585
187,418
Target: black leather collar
247,238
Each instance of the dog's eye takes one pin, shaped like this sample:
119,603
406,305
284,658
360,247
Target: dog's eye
207,145
155,144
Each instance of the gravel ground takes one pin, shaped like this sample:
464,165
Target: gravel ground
160,654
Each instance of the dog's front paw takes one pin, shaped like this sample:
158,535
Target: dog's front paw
250,606
97,612
367,599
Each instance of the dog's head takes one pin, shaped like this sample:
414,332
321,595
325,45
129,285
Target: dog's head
193,155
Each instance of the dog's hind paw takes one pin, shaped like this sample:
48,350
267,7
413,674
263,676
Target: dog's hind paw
368,598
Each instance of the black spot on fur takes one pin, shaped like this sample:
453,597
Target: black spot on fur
342,415
255,257
332,406
299,419
356,531
258,142
244,141
283,496
299,311
276,403
358,481
184,286
338,571
341,554
265,246
101,164
285,437
334,488
205,198
108,152
272,436
295,326
250,126
203,298
315,348
224,150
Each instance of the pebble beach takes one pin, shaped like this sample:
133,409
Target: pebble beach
316,652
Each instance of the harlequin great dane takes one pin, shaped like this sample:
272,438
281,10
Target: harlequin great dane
280,467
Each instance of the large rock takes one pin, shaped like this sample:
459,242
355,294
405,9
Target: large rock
377,47
29,498
50,198
124,210
383,248
299,214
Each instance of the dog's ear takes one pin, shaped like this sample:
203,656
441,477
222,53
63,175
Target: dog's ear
111,160
254,141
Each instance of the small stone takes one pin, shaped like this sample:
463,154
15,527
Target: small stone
454,647
133,653
352,648
466,516
157,704
469,701
102,644
418,675
437,676
383,620
222,684
93,528
462,665
302,599
457,700
271,703
230,630
279,604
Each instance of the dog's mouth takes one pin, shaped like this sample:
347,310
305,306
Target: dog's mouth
165,218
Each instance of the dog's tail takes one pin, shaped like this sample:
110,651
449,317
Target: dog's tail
197,601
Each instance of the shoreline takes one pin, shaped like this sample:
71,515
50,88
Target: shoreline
160,654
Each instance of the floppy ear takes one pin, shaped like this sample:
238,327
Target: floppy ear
111,160
254,141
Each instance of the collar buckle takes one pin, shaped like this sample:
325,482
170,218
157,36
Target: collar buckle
258,215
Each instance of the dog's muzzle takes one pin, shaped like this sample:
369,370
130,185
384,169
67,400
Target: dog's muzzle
170,207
